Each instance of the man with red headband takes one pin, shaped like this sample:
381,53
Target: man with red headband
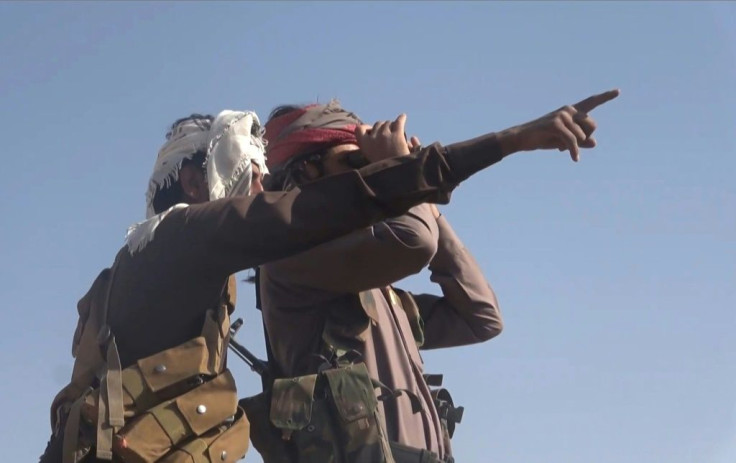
332,312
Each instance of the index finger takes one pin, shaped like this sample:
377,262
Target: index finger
594,101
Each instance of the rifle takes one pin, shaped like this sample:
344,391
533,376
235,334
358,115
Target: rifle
255,364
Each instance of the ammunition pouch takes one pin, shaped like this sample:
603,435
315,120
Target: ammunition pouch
331,416
152,434
178,405
227,442
175,410
158,378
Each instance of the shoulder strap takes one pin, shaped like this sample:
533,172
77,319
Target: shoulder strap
110,408
110,402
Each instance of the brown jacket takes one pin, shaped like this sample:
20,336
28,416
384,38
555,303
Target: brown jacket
301,294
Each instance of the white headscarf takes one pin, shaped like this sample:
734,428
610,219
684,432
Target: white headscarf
233,141
234,145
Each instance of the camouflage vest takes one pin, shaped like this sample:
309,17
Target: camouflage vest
179,405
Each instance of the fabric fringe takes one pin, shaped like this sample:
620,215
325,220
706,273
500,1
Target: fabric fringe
141,233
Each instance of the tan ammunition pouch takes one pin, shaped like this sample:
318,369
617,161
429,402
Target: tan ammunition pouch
179,405
177,423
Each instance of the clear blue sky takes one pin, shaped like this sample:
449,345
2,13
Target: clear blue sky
616,275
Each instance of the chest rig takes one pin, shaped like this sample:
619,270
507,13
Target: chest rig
178,405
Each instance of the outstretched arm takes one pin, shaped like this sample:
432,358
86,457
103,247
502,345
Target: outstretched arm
238,233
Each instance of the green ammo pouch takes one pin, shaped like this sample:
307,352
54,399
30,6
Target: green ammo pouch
331,416
304,418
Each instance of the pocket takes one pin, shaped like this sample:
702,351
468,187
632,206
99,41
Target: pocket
362,436
291,402
226,443
352,392
151,435
159,377
174,365
330,417
305,421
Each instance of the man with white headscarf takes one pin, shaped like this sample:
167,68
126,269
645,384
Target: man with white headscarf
150,381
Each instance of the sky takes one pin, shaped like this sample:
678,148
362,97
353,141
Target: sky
616,276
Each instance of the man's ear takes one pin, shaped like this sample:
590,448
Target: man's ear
193,184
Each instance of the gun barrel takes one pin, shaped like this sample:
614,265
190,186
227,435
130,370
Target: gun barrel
255,364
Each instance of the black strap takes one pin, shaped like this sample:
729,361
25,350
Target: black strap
388,393
434,380
257,281
105,333
405,454
274,371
